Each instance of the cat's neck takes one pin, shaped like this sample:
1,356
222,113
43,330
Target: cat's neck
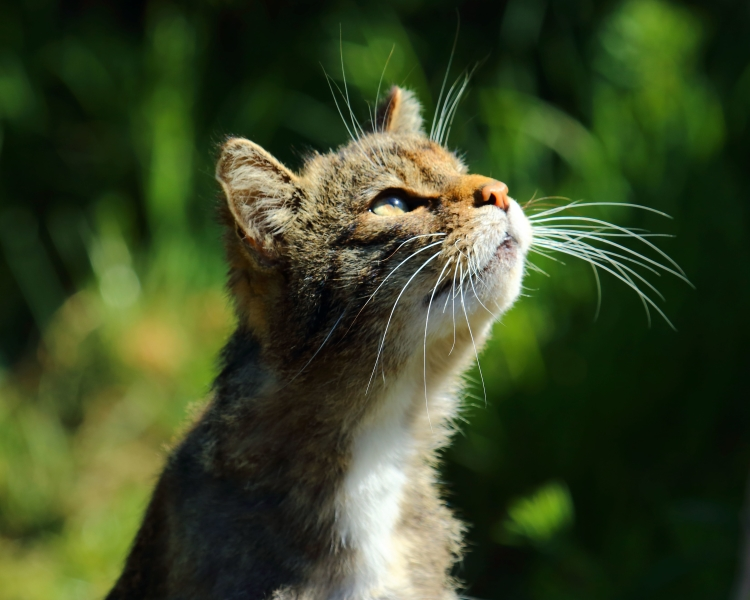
264,413
351,453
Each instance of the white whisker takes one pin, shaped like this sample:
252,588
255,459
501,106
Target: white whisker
428,246
534,267
445,80
536,250
307,364
545,234
388,323
625,231
645,299
453,306
355,124
426,322
604,230
452,112
577,243
578,204
355,138
598,292
586,251
473,343
380,82
336,102
396,268
476,295
449,99
572,235
415,237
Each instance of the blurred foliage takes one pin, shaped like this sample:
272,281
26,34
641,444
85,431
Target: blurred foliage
610,458
538,518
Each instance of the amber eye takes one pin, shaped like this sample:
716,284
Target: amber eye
389,206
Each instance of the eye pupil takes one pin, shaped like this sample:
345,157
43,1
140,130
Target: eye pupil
389,206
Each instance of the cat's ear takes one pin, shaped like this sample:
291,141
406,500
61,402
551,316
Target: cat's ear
400,112
260,194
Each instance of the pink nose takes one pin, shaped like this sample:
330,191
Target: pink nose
496,193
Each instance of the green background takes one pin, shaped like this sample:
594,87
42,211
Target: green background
611,457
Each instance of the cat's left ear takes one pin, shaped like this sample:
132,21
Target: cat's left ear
260,194
400,112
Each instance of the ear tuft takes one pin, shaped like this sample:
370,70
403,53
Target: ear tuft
400,112
260,193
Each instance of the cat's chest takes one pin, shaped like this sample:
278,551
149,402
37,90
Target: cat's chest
369,502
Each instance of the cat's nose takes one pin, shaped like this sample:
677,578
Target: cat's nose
496,193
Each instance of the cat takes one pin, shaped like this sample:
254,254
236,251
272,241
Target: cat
364,286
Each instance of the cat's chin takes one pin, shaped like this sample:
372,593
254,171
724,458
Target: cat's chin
507,251
497,283
501,278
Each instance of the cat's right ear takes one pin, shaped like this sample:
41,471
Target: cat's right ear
260,193
400,112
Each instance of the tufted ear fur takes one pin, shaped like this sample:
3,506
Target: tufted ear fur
260,194
400,112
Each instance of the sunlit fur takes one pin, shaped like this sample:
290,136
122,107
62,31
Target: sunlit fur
312,473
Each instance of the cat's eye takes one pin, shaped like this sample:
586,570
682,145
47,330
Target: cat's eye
389,206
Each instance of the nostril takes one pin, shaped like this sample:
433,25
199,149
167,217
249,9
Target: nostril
496,193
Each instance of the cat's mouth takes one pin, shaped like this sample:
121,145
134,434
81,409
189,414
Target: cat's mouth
506,249
506,252
505,255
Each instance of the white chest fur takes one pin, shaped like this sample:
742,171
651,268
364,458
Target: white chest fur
370,499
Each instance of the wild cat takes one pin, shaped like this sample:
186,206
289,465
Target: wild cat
364,286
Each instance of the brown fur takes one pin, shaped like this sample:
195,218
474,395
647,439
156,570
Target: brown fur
262,498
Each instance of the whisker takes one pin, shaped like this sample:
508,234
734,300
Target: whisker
631,234
416,237
576,241
453,288
452,112
354,138
476,270
377,93
382,283
578,204
445,79
453,307
585,251
476,295
596,236
336,102
307,364
471,334
446,103
355,123
598,292
534,267
388,323
645,299
619,275
450,99
426,321
536,250
621,267
534,200
600,231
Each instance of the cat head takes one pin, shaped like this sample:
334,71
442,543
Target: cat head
377,249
